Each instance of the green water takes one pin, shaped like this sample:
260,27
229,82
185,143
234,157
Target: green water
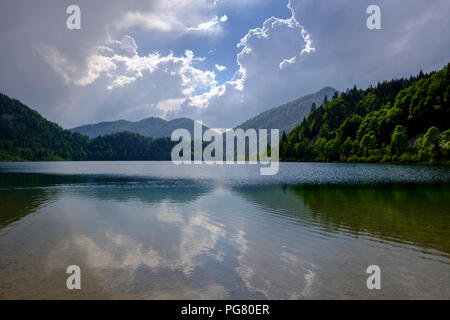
152,230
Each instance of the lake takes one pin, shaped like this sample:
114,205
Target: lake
153,230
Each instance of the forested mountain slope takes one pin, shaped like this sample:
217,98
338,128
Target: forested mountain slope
26,135
288,116
404,120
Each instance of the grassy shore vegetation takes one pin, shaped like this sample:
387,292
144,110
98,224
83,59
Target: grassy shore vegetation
403,120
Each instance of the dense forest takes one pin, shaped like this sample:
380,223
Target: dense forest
403,120
26,135
129,146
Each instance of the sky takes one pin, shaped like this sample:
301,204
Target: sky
218,61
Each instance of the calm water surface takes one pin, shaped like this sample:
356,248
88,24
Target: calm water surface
152,230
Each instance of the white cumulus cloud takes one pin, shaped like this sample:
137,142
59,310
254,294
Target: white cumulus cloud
128,44
220,68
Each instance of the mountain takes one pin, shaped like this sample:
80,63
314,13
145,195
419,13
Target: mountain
149,127
26,135
289,115
402,120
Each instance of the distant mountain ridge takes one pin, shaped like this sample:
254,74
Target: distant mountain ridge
289,115
284,117
149,127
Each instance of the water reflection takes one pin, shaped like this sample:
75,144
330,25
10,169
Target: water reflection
183,238
417,214
16,204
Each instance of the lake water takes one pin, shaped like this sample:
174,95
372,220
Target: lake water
153,230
